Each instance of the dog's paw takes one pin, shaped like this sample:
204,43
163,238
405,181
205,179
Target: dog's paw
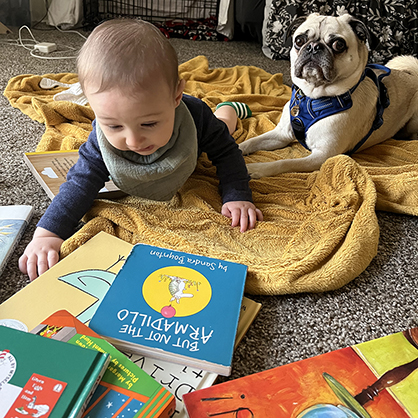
245,149
258,170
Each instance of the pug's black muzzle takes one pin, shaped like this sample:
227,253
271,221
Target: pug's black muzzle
315,55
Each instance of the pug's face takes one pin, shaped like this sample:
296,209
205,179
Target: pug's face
328,54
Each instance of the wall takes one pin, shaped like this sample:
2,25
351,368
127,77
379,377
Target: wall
15,13
38,10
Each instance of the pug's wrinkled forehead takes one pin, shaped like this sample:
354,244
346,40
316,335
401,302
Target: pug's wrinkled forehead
317,28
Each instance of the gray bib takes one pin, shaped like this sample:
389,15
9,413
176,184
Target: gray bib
160,175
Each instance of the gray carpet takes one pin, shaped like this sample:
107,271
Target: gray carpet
382,300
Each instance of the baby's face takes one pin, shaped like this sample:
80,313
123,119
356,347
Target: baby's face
142,122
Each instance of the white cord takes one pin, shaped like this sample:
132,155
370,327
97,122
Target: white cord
19,40
32,49
49,57
70,31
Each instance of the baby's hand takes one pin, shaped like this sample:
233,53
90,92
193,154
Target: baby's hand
40,254
242,213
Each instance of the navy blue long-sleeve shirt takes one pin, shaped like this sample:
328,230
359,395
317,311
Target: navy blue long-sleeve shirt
89,174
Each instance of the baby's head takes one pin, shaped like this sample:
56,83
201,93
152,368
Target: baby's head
129,72
126,54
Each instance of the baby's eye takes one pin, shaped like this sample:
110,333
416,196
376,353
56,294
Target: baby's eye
149,125
114,127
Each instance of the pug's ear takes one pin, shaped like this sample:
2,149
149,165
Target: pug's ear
294,25
361,31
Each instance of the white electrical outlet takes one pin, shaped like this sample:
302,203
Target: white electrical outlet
46,47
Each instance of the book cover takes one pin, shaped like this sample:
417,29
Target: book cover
50,168
125,389
174,306
13,222
374,379
44,378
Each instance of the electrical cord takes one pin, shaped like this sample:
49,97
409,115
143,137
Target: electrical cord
33,42
19,39
31,47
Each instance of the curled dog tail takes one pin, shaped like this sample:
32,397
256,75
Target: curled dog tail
406,63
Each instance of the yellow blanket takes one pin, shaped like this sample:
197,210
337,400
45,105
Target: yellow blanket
320,229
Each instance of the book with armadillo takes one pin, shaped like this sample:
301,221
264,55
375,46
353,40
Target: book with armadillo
373,379
174,306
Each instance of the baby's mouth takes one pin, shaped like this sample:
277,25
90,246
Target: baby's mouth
142,150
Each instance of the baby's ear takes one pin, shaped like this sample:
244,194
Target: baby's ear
179,91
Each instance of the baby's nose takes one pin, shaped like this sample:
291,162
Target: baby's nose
134,139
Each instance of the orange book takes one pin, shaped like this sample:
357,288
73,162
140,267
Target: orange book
374,379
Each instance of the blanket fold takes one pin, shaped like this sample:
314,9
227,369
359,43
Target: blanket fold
320,229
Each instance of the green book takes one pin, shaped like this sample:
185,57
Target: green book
41,377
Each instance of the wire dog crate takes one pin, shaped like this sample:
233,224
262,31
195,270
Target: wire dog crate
194,19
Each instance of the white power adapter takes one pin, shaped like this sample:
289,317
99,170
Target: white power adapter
46,47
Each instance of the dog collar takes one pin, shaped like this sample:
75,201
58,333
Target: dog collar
304,111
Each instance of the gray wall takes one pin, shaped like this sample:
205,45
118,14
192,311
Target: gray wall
15,13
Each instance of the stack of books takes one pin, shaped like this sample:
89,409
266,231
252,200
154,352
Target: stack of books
41,377
180,295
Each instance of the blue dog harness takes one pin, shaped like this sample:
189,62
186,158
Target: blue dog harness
304,112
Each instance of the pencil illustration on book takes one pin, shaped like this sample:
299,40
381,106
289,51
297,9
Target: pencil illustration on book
197,288
374,379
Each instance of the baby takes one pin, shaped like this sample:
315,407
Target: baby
147,136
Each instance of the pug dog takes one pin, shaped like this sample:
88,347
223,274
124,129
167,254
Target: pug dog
339,104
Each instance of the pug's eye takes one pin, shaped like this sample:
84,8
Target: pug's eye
300,40
339,45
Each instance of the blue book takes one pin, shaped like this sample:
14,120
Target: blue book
13,222
174,306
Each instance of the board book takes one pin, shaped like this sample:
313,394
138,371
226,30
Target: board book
79,282
13,222
50,168
45,378
125,389
374,379
174,306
